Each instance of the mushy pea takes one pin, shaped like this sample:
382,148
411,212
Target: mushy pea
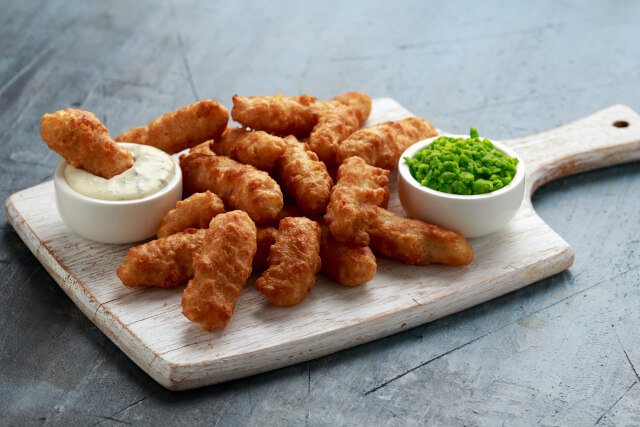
462,165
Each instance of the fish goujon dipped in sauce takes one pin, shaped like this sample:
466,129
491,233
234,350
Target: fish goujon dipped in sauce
84,142
100,168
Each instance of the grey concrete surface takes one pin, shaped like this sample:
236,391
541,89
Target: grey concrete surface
564,351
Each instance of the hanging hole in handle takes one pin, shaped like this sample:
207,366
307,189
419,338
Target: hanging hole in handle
621,124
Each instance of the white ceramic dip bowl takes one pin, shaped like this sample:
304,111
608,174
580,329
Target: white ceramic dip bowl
474,215
115,221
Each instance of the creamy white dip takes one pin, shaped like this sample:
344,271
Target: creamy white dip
151,171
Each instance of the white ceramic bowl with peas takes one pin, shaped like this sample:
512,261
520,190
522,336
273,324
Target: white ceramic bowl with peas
465,183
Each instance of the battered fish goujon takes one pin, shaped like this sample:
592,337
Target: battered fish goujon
305,177
336,121
196,211
239,186
255,148
415,242
294,261
222,266
383,144
183,128
275,114
84,142
350,212
162,263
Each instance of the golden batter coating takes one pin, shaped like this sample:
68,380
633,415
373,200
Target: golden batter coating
376,145
266,237
415,242
203,148
359,102
84,142
410,131
196,211
222,266
347,264
275,114
304,177
239,186
162,263
294,261
255,148
183,128
355,215
359,188
383,144
336,121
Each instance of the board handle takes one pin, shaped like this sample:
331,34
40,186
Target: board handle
606,138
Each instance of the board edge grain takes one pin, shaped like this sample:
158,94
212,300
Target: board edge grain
134,348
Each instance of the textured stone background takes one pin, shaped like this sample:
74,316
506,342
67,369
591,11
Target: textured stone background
564,351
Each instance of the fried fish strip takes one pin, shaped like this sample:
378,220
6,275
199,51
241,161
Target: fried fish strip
383,144
196,211
162,263
239,186
336,121
275,114
255,148
304,177
355,215
183,128
359,188
360,102
347,264
222,266
294,261
266,237
415,242
83,141
410,131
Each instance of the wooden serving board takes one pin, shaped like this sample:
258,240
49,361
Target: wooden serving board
147,324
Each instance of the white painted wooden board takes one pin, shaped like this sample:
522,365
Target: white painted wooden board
147,324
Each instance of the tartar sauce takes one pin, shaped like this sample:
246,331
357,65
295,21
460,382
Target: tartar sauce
151,171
